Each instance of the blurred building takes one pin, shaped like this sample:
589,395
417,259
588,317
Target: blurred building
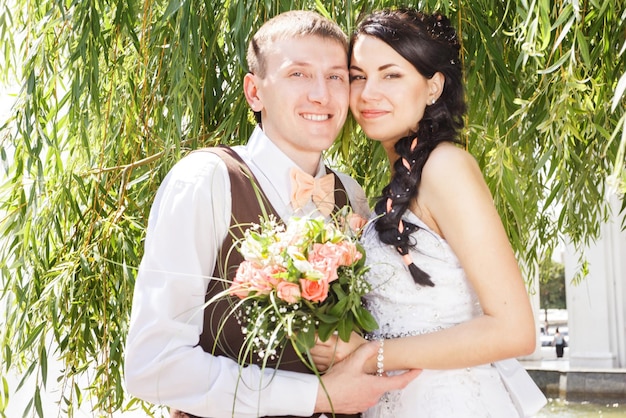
597,305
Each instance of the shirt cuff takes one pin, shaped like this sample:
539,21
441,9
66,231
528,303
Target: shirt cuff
293,394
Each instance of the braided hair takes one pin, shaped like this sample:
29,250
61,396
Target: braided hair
431,45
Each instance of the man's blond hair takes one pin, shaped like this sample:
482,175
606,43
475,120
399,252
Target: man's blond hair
289,25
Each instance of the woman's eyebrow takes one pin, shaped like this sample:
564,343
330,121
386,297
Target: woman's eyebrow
381,68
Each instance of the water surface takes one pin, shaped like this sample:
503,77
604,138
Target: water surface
558,408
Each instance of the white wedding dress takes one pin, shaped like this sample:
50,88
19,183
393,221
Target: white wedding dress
403,308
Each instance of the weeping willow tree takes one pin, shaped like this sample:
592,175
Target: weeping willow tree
113,93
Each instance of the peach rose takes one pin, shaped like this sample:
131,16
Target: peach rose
314,290
289,292
349,253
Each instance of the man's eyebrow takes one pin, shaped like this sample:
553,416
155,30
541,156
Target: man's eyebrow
308,64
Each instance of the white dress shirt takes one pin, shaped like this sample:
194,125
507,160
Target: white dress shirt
188,221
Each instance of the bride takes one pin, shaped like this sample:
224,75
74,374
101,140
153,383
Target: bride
446,288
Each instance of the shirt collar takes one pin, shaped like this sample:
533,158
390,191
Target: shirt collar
273,163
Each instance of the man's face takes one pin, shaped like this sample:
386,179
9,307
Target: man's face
303,97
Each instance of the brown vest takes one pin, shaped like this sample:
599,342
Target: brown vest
221,333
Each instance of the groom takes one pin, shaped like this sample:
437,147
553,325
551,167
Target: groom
298,88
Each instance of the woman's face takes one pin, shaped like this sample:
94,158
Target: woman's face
387,94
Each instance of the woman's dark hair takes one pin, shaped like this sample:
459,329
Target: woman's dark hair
430,44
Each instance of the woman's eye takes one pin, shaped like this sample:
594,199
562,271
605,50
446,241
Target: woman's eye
355,77
392,75
297,74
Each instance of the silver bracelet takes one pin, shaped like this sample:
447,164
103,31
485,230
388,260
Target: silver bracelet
380,367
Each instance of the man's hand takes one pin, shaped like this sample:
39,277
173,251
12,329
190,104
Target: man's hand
347,389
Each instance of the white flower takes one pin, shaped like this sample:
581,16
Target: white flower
314,274
252,250
299,260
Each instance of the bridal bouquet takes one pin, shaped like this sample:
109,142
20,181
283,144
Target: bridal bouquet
298,281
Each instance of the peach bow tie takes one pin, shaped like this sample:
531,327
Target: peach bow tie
305,187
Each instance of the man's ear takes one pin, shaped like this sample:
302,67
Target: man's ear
435,86
251,91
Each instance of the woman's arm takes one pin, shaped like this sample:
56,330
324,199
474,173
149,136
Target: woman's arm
456,201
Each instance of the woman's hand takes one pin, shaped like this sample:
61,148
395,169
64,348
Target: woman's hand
334,350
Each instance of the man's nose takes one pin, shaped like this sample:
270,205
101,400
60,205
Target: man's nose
319,90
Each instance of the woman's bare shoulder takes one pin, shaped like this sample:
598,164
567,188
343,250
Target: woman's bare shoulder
449,160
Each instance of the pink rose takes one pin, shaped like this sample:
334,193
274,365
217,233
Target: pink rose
328,268
240,287
251,278
314,290
271,273
343,254
325,251
287,291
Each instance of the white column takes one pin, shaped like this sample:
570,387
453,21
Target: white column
596,305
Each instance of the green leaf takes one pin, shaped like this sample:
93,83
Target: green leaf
35,334
306,339
328,319
38,405
619,92
344,327
365,320
563,34
172,7
325,330
339,308
556,65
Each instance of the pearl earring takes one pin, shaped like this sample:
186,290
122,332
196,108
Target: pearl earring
432,102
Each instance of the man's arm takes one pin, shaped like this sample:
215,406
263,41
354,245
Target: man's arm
164,363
